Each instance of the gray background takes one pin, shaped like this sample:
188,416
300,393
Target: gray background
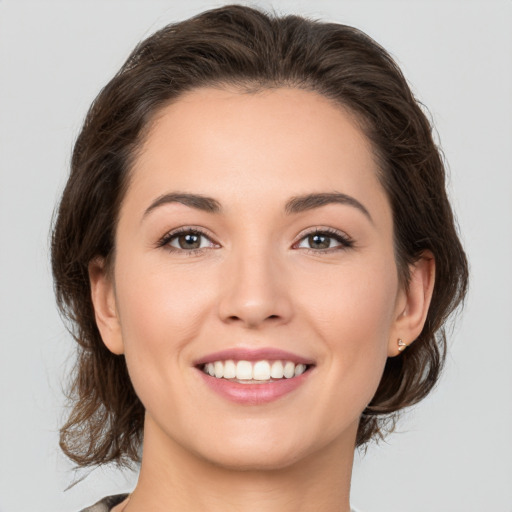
454,451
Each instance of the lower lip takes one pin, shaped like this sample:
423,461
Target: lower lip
254,394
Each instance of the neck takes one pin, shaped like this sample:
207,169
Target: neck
172,478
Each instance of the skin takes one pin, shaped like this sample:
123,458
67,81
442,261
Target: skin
258,282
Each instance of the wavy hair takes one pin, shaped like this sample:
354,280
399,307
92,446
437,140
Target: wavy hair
245,47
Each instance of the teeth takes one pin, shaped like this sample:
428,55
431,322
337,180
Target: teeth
289,370
218,369
229,370
277,370
257,370
299,369
261,370
243,370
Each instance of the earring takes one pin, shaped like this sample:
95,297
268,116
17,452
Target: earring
401,345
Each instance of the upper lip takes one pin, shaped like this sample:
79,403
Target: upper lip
248,354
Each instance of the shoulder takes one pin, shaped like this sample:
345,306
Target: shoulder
106,504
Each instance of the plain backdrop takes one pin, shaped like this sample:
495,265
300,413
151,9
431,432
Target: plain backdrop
454,451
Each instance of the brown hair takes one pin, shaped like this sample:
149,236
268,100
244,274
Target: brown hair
250,49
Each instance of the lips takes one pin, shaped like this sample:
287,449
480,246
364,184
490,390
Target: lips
254,377
243,354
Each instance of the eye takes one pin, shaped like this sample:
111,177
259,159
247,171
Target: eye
194,241
325,240
187,240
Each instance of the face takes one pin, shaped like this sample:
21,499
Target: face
282,283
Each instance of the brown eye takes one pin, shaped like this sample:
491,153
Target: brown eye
318,241
186,240
189,241
323,240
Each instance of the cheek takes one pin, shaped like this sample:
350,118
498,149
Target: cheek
356,301
353,313
159,318
157,305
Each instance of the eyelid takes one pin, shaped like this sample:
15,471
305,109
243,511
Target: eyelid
322,229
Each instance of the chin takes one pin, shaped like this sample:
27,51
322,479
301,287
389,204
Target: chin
254,458
265,448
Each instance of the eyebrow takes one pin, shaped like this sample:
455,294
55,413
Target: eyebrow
306,202
294,205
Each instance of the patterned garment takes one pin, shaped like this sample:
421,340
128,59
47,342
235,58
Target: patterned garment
106,504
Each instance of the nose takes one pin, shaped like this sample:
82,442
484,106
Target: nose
255,289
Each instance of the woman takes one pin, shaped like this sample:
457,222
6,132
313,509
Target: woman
257,254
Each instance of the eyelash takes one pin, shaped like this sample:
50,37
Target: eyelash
344,240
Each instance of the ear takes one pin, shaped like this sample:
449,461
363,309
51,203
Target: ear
104,302
413,303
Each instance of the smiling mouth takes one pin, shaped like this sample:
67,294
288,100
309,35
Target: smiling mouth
254,372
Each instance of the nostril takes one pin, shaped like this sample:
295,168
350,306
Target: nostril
255,321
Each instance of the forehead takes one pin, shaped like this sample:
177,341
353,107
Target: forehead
266,145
